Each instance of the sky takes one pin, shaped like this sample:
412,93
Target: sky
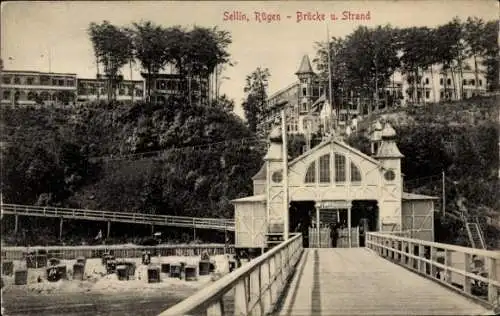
31,31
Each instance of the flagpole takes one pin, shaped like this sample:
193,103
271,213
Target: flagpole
329,68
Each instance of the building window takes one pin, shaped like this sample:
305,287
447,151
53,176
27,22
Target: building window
138,92
44,80
427,94
277,176
324,169
426,80
61,83
6,95
17,80
303,107
441,81
311,173
340,169
448,82
45,96
389,175
70,83
304,92
31,96
29,81
303,80
480,82
355,174
315,91
6,79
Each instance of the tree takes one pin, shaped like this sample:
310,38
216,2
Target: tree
490,46
224,103
451,49
474,32
256,97
113,48
154,48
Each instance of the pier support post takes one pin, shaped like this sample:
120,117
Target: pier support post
318,232
16,224
61,228
194,233
349,225
152,229
109,229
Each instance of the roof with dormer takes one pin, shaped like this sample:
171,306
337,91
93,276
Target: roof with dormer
305,66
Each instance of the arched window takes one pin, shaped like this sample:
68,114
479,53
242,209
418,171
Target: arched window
324,169
340,169
355,174
311,173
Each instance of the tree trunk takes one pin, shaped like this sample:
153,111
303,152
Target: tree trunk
454,83
422,85
415,85
200,90
149,83
445,83
189,89
476,75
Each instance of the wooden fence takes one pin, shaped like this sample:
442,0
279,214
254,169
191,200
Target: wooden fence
473,272
257,286
119,251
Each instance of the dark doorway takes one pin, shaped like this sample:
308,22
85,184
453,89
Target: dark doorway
364,215
300,219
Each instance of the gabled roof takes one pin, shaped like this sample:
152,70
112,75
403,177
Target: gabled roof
342,144
305,66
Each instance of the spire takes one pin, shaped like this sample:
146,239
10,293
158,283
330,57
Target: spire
388,147
305,66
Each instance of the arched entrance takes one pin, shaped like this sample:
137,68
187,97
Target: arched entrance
358,217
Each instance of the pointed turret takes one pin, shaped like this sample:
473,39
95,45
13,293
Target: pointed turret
275,151
375,136
388,147
305,67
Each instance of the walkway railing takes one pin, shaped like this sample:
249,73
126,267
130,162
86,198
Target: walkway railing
257,285
119,251
139,218
473,272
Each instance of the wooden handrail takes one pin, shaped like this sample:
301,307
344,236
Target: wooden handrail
268,274
218,223
454,268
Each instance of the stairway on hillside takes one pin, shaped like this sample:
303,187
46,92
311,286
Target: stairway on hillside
475,235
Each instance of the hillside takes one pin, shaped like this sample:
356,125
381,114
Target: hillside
459,138
51,158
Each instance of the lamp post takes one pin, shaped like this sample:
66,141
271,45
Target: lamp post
285,175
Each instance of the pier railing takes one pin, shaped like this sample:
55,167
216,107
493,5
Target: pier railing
256,286
125,217
119,251
473,272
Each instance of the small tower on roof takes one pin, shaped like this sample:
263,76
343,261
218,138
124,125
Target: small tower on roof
375,136
306,76
390,157
305,68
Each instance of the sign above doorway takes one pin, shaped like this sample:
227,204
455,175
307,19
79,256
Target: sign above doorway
340,204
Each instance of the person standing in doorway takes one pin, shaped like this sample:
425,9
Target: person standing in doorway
334,235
